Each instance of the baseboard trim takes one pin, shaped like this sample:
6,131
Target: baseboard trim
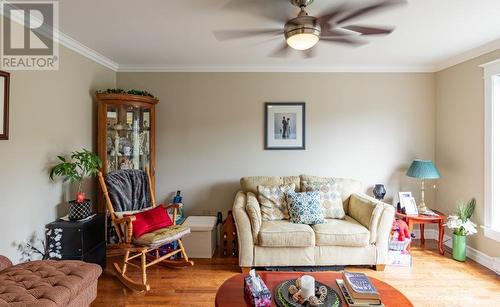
491,263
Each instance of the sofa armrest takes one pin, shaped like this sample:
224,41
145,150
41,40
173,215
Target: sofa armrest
368,211
253,210
244,229
4,263
383,232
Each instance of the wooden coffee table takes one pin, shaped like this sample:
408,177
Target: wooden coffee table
230,294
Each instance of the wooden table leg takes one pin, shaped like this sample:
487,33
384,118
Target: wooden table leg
422,238
441,236
410,227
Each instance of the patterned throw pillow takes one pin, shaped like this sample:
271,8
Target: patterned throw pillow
330,198
273,202
305,208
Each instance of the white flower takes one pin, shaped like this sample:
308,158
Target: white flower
470,227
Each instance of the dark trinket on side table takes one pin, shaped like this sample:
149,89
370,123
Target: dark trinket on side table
77,240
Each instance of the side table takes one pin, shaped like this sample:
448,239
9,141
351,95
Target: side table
78,240
420,219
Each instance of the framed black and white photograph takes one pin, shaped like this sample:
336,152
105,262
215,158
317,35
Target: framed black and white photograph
285,125
408,202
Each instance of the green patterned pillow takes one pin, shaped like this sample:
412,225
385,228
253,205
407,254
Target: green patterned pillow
305,208
330,198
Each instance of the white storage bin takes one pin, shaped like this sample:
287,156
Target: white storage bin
201,242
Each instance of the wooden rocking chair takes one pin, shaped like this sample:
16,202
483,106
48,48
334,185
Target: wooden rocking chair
147,250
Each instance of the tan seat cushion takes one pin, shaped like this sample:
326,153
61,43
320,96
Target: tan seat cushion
285,234
46,283
162,236
347,232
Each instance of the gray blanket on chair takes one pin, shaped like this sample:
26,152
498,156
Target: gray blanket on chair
128,190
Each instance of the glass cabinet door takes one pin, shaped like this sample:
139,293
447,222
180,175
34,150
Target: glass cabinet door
128,143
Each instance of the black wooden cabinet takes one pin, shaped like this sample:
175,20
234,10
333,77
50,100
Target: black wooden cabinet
80,240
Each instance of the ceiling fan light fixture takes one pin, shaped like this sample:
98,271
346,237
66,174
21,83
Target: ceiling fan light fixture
302,32
302,41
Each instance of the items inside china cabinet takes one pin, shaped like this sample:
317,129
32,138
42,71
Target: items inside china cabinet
126,132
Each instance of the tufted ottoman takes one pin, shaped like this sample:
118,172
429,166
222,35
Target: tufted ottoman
48,283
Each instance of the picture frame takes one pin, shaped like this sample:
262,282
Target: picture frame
407,201
285,125
4,104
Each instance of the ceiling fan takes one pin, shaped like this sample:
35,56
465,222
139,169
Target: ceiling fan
304,32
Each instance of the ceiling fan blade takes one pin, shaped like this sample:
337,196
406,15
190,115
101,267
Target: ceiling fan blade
280,52
343,40
224,35
340,32
367,9
337,11
365,30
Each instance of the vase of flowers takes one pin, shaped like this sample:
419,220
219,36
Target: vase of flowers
462,227
80,165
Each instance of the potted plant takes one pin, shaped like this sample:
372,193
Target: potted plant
462,227
80,165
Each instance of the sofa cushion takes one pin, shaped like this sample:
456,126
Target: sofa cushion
250,184
305,208
346,186
285,234
331,201
46,283
347,232
366,210
162,236
273,201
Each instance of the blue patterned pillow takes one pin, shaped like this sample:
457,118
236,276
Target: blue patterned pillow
305,208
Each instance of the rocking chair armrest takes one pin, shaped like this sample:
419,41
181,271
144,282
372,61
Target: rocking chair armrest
176,207
125,219
128,227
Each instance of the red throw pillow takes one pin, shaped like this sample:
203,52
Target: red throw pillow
150,220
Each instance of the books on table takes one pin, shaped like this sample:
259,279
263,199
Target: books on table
358,290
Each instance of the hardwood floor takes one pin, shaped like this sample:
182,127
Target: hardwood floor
433,280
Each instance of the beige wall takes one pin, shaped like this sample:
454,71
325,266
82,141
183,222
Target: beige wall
460,141
210,131
51,113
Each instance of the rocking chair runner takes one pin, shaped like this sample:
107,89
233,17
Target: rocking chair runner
148,246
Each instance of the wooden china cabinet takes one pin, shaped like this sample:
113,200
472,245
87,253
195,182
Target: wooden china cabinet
126,133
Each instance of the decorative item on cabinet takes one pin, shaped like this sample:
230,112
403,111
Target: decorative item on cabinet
81,164
229,237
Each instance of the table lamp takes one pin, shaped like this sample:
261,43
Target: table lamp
423,169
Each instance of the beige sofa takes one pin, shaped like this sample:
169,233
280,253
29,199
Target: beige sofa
359,239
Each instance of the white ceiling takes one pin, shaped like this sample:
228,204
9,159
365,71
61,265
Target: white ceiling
177,35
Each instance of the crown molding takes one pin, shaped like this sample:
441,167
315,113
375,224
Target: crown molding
258,68
468,55
87,52
65,40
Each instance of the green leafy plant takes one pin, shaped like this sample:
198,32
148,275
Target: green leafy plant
122,91
461,223
80,165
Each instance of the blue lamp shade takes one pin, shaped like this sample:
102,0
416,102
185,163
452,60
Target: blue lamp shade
423,169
